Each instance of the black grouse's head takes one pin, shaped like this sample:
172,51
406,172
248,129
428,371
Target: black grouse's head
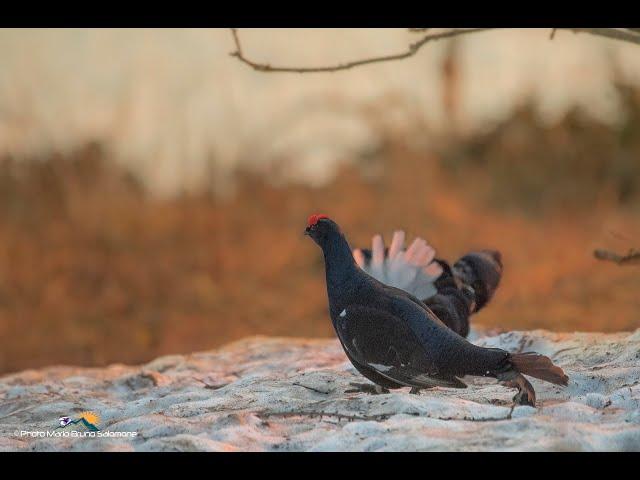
320,228
481,271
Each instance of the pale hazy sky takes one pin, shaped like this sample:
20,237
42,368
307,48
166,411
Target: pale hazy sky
168,101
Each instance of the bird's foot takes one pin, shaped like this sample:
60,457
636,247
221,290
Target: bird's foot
366,388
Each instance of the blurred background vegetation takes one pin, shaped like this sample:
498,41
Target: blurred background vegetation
99,266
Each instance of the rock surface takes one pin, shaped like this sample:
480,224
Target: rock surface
280,394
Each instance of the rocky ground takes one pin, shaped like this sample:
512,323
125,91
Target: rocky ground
281,394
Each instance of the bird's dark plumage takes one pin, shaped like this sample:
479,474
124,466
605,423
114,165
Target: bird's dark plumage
395,340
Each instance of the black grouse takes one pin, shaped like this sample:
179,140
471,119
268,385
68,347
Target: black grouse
396,341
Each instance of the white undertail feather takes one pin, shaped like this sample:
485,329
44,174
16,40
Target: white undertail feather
413,270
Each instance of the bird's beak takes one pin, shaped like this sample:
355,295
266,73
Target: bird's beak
306,232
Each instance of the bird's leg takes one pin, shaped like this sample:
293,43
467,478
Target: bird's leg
367,388
520,398
526,394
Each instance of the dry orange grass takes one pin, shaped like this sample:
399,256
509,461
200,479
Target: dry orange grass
92,270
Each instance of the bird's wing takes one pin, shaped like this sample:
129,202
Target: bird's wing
402,297
385,343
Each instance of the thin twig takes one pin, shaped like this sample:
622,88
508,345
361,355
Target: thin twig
614,33
375,418
320,414
631,35
412,49
631,258
311,388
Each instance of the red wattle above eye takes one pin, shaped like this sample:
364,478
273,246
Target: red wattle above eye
313,219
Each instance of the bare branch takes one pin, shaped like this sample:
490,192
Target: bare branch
412,49
631,35
631,258
614,33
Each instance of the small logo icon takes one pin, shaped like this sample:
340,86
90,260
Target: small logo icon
64,421
89,420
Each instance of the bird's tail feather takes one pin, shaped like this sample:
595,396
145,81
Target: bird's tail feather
539,366
412,270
